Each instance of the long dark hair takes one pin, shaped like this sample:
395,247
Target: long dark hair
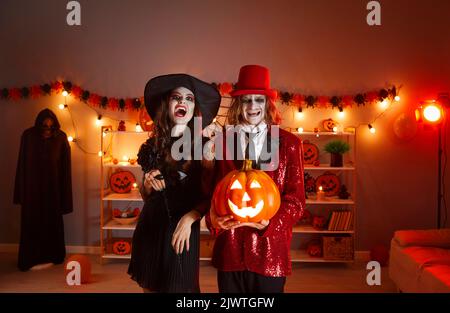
160,144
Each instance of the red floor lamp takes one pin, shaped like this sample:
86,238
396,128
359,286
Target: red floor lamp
432,114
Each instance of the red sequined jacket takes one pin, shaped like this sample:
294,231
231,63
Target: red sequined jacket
267,251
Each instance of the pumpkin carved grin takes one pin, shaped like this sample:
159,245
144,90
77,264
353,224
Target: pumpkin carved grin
248,195
246,211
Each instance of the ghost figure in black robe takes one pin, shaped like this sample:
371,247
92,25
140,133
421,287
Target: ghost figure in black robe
43,188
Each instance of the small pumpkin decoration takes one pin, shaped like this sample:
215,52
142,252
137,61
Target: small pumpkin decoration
122,127
121,247
329,125
314,248
319,222
145,121
85,267
310,152
121,181
115,161
132,161
248,195
330,184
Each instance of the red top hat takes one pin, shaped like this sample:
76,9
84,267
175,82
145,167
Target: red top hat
254,80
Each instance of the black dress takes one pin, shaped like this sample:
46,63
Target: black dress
43,188
154,264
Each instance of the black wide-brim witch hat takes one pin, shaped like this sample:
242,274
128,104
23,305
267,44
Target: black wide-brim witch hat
207,98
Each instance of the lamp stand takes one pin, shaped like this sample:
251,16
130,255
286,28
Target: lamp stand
439,193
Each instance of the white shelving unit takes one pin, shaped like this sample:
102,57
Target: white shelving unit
347,174
117,144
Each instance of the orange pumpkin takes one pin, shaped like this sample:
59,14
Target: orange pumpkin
121,247
310,153
248,195
330,184
85,267
121,181
329,124
145,121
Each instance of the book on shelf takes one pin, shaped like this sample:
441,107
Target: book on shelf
340,220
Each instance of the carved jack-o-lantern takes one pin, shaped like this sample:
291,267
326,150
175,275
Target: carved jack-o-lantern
248,195
122,181
330,183
310,152
121,247
329,124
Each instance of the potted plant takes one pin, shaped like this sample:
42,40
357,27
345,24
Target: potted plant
337,148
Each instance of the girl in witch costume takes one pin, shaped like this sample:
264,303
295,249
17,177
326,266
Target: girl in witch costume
165,254
254,257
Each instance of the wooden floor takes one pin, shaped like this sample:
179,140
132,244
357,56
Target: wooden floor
112,277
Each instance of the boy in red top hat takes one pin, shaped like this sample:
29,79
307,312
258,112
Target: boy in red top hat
255,257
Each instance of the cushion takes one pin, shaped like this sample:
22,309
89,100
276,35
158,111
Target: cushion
426,256
426,238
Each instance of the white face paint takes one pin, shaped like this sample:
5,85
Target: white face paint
253,108
181,105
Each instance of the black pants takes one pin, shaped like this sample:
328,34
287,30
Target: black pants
249,282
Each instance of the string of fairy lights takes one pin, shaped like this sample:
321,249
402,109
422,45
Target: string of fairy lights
384,104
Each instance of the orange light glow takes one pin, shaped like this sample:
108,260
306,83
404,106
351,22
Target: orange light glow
430,112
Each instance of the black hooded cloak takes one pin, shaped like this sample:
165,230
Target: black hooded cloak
43,188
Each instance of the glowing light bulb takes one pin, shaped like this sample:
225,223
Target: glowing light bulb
138,128
384,104
320,188
65,93
98,121
100,153
300,129
335,129
432,113
135,185
341,114
70,138
371,129
125,158
397,98
62,106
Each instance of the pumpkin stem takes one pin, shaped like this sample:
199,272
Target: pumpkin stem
247,165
